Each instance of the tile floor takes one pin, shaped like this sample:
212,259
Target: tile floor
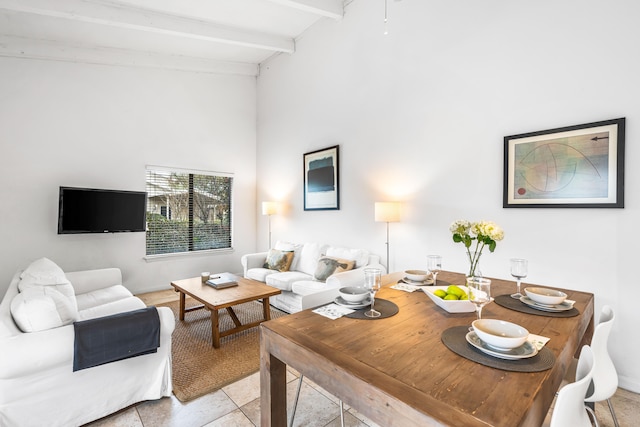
238,404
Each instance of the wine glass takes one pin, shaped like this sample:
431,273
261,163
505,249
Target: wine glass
372,281
519,271
434,265
479,293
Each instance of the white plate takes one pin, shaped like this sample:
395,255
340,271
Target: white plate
354,305
416,283
451,306
525,351
543,307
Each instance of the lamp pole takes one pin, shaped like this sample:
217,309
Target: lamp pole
269,231
388,266
387,212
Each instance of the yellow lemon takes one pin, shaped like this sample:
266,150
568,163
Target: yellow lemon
464,297
440,293
451,297
454,290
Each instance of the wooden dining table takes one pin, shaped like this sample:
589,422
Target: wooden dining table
397,371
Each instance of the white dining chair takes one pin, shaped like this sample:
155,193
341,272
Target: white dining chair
295,406
570,408
605,377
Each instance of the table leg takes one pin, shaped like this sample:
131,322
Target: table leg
273,387
182,303
215,329
266,308
234,317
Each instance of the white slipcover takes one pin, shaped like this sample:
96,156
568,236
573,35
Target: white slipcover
37,384
300,290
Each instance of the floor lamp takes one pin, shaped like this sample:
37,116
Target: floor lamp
387,212
269,208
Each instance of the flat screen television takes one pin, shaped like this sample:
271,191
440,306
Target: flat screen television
90,210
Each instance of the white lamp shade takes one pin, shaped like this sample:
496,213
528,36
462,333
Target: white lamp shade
269,208
387,211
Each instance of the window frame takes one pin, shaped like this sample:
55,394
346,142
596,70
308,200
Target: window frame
191,252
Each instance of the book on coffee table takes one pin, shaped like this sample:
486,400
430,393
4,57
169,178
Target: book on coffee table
222,280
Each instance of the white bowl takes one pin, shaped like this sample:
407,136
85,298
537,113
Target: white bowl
545,296
354,293
416,275
500,334
450,306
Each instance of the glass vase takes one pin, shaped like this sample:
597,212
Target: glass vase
474,268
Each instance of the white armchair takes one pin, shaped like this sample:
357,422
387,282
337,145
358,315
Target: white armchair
37,383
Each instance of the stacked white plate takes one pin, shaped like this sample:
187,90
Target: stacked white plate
552,308
524,351
545,299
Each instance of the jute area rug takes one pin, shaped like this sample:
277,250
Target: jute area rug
198,368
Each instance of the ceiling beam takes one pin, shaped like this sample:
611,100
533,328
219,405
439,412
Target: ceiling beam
28,48
333,9
148,21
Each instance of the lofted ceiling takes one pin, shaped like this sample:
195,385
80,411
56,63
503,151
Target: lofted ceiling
218,36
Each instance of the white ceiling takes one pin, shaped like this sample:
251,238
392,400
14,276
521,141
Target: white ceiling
221,36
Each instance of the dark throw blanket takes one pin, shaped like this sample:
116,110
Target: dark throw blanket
116,337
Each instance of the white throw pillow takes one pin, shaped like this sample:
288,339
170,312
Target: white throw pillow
360,256
42,307
311,253
44,272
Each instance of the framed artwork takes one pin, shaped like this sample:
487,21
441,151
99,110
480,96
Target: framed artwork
321,179
578,166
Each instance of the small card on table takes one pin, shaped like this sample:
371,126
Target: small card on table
333,311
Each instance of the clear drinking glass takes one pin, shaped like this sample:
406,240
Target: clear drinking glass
519,271
479,290
372,281
434,265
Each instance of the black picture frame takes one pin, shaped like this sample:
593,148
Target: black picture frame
579,166
322,179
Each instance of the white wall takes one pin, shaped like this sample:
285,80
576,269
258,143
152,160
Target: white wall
71,124
420,116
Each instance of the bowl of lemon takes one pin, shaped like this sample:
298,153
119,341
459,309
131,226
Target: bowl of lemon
452,298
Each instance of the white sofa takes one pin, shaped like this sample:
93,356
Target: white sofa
38,386
299,286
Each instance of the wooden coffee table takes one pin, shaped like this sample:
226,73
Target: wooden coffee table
214,299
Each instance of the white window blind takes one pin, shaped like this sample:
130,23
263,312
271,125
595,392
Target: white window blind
187,211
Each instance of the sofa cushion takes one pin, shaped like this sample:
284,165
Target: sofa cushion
328,266
308,287
259,274
44,272
102,296
309,256
113,307
278,260
360,256
42,307
285,280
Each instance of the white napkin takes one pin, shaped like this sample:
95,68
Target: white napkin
405,287
537,341
333,311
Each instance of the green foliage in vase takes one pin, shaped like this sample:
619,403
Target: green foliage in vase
483,233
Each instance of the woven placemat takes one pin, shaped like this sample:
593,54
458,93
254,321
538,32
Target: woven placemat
515,304
455,339
385,307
